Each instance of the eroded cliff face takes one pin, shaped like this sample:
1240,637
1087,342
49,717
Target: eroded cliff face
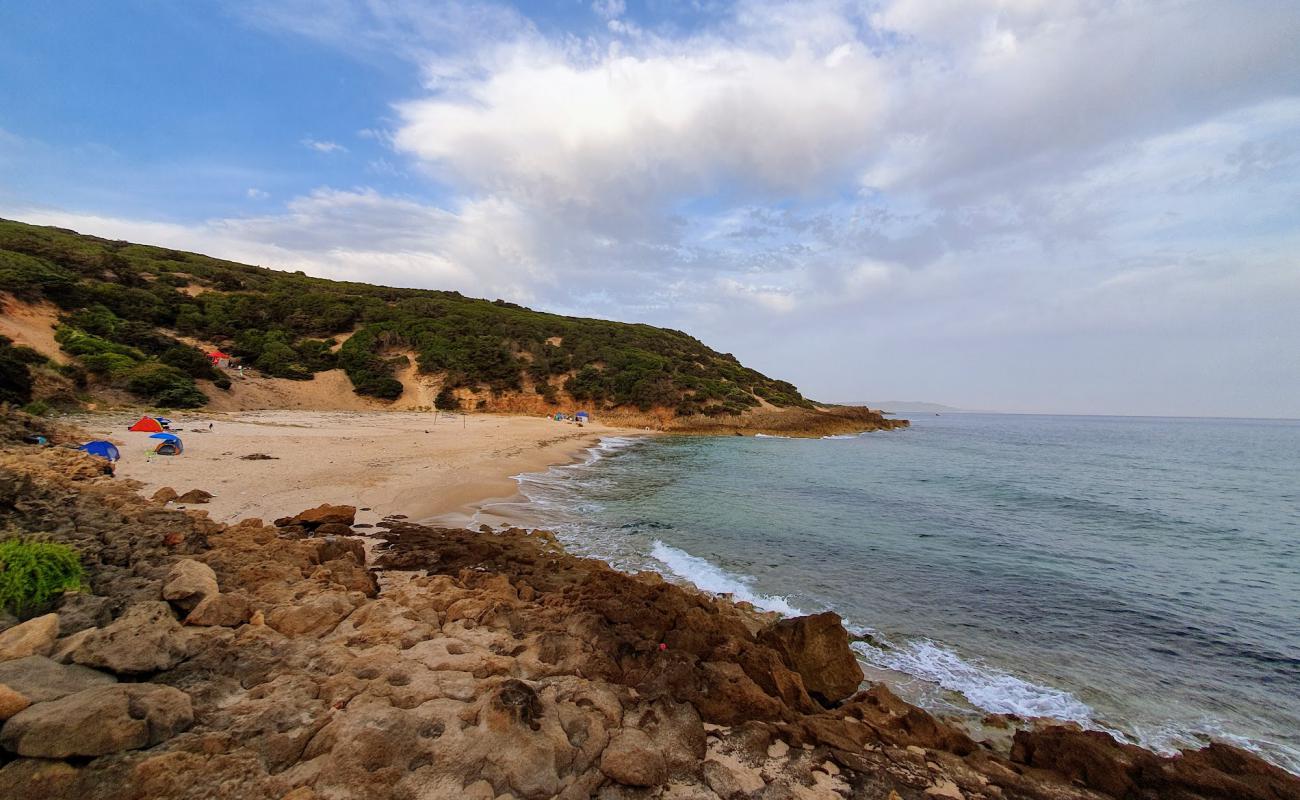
275,661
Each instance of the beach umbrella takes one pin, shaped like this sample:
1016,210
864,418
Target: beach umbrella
103,449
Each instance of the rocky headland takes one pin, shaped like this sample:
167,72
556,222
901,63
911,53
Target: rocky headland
307,658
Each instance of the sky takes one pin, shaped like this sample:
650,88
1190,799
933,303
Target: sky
1082,206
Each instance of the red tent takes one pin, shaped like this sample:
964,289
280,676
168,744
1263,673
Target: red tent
147,424
217,356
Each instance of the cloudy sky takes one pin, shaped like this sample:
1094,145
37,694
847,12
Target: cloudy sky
1029,205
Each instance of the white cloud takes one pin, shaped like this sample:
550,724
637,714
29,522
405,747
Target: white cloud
254,193
323,146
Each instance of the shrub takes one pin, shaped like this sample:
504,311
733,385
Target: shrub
33,572
446,400
37,408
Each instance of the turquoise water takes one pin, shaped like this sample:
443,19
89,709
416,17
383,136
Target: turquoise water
1139,575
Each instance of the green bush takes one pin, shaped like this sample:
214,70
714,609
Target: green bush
33,573
37,408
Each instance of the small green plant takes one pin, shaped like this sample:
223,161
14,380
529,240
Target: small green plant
33,572
37,408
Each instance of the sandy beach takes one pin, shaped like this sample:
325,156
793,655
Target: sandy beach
388,462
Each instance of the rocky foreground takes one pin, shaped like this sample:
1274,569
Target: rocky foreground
276,661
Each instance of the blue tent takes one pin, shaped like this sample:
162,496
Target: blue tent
163,421
582,415
171,437
103,449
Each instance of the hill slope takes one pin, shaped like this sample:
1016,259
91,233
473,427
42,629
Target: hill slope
127,309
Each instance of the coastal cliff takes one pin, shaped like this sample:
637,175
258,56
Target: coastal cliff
311,658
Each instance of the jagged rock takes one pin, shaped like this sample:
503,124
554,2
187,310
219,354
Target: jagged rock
332,548
817,647
334,529
81,610
33,637
188,582
228,610
315,617
194,497
322,514
40,678
99,721
11,702
732,779
147,638
631,758
165,495
1095,760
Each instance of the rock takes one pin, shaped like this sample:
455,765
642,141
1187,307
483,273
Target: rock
817,647
946,789
731,779
194,497
188,582
631,759
11,702
64,647
334,529
229,610
258,457
81,610
315,617
39,678
147,638
315,517
99,721
165,495
33,637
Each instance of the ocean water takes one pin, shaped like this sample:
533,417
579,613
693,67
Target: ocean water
1137,575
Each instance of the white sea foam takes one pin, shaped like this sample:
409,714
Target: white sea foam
769,436
985,687
712,578
842,436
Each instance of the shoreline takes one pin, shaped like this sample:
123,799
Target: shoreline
409,463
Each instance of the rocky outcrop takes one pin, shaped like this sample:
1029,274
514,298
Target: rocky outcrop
39,678
193,497
33,637
817,647
98,721
323,514
146,639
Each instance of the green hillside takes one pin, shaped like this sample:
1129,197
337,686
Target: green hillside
123,305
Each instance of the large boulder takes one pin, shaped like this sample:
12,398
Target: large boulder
188,582
325,513
632,759
194,497
99,721
147,638
229,610
817,647
33,637
39,678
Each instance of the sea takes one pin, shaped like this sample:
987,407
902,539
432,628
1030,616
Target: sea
1136,575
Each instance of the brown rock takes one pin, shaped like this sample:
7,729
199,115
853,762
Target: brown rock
33,637
188,582
817,647
147,638
315,617
81,610
11,702
315,517
632,759
194,496
39,678
165,495
334,529
228,610
99,721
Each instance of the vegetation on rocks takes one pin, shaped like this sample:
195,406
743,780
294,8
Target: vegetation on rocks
33,573
124,305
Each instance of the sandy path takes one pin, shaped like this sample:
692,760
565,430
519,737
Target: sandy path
390,462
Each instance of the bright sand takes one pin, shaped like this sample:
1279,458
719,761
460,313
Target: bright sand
390,462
